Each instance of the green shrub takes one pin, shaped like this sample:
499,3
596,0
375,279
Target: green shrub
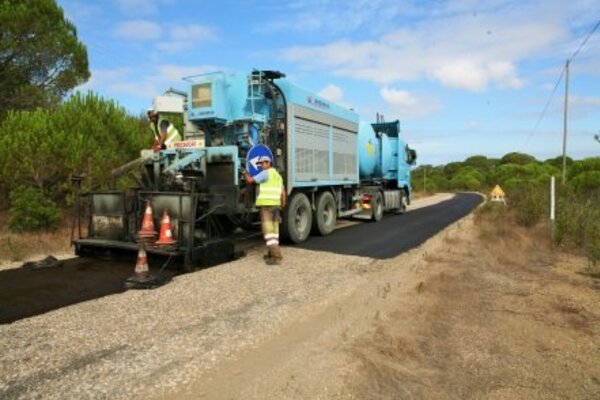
578,221
530,204
86,133
465,181
594,254
31,211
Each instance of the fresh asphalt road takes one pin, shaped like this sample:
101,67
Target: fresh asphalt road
395,234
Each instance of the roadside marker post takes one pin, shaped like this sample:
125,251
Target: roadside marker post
552,210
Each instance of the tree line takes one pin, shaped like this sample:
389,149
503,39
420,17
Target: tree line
526,182
46,136
511,172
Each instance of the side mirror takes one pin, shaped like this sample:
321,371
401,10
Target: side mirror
411,156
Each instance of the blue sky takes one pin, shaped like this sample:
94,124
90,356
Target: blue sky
464,77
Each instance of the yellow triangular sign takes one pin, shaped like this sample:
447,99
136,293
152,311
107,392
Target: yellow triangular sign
497,191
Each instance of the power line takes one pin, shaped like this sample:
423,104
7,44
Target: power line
562,73
541,116
585,40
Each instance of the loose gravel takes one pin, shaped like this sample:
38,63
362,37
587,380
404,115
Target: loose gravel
144,343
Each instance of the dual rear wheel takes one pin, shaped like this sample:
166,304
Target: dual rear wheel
299,218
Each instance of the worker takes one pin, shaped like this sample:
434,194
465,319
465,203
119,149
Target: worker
168,134
164,132
153,118
271,201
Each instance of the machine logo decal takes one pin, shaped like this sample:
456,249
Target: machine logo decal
370,148
317,102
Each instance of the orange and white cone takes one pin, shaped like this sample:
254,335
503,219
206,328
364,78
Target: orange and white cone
141,265
166,232
147,231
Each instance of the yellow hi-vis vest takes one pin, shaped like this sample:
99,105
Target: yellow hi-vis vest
154,129
172,135
270,191
172,132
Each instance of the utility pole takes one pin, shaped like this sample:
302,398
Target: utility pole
564,161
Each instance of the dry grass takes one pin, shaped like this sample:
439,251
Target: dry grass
498,315
16,247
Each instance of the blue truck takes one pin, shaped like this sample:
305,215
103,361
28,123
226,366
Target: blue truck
333,166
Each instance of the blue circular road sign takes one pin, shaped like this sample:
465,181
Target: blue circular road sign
255,153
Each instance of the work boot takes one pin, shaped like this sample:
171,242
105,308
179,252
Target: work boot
273,261
275,251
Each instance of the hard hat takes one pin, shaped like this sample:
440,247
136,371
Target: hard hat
264,158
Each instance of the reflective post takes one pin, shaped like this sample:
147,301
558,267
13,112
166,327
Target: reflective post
552,209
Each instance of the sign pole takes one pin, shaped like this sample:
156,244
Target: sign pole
552,211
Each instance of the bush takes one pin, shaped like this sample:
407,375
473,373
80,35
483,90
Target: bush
594,254
578,221
31,211
530,204
465,181
86,133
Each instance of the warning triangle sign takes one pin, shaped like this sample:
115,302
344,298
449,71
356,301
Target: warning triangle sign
498,192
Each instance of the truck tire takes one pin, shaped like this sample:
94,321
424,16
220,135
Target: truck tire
377,207
403,202
325,214
297,218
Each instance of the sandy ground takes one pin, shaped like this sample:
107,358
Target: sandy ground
480,311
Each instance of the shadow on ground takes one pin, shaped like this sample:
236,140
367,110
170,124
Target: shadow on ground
26,292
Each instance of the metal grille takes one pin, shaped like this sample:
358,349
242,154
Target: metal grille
312,150
304,161
344,154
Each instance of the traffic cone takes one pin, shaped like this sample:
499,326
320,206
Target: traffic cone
147,231
141,265
166,234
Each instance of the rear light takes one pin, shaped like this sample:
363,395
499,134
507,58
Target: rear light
366,202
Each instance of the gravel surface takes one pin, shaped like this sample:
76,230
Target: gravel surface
143,343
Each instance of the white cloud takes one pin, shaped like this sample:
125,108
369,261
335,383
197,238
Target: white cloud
405,105
185,37
172,73
332,93
334,17
467,74
473,126
138,29
172,40
464,50
132,82
142,7
398,97
583,106
192,32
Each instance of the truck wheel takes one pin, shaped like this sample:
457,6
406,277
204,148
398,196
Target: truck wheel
297,218
403,202
377,207
325,214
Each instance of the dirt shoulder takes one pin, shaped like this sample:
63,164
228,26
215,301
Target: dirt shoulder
477,312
